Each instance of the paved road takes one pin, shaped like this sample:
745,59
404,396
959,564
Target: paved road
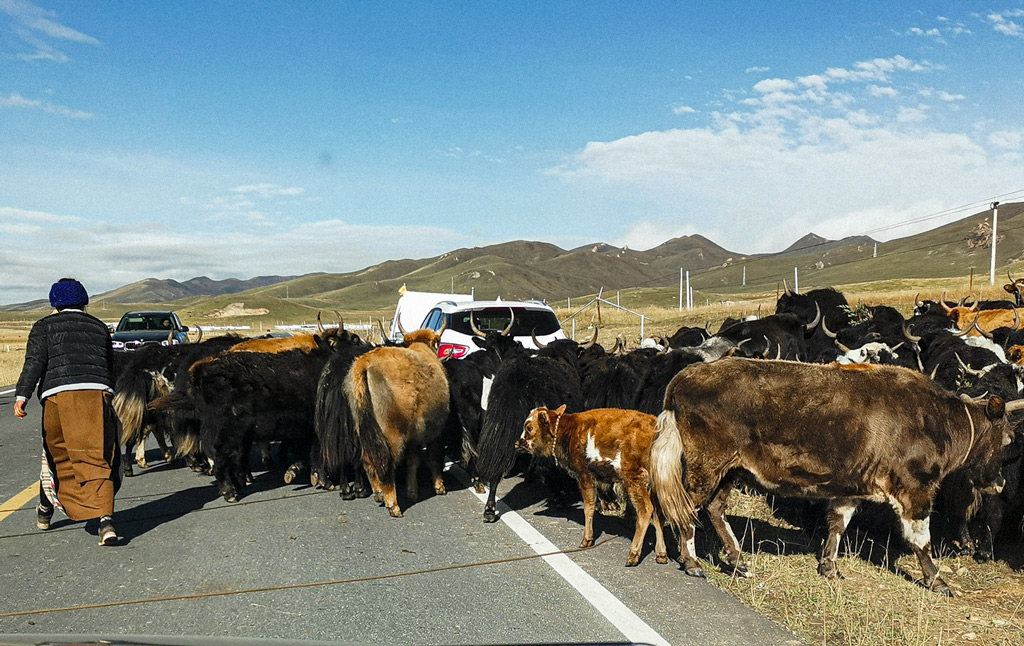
290,562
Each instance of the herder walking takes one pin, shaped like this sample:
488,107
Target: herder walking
70,358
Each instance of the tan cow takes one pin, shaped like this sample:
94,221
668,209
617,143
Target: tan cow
601,447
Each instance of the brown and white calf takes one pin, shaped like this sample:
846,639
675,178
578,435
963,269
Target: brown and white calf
601,447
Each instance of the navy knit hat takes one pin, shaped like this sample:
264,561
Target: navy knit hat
68,292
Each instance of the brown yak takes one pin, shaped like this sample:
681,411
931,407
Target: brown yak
601,447
841,433
398,399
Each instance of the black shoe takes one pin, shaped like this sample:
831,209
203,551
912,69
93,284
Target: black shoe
43,516
107,533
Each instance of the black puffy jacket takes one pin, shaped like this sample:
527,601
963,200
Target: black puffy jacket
66,349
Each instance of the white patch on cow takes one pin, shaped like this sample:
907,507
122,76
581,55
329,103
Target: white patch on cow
732,537
485,392
691,546
917,532
594,455
867,353
988,344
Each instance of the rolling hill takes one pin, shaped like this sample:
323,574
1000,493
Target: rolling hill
528,269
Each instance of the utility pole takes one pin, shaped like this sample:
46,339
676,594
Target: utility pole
689,294
796,280
680,289
995,223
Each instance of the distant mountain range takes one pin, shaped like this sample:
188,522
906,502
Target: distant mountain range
525,269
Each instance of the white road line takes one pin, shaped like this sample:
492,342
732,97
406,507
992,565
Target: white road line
625,620
7,392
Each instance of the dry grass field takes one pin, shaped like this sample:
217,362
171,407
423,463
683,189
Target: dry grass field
878,602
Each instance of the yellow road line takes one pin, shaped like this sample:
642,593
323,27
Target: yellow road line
18,501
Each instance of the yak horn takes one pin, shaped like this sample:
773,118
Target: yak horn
401,329
843,348
946,306
785,288
817,319
341,322
1015,405
589,344
319,324
472,326
987,335
917,300
829,333
908,336
966,368
536,341
383,332
1016,319
511,320
199,333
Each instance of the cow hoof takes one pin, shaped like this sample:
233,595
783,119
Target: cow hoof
696,572
378,497
127,470
142,464
586,543
440,490
168,457
829,570
633,560
290,475
395,512
490,516
479,488
661,558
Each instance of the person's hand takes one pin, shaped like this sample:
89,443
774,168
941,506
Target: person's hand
19,409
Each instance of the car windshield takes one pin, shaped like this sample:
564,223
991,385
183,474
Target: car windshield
526,322
138,322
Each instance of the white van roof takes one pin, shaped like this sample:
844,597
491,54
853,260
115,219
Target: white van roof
413,307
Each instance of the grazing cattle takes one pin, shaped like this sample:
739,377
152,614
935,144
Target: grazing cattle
469,381
844,434
143,376
604,447
779,336
398,401
977,321
1015,288
304,342
688,337
826,305
549,378
242,397
333,465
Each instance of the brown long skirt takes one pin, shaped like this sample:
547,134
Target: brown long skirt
80,435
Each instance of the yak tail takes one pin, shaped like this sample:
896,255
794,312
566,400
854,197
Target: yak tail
332,420
133,388
182,409
668,473
502,426
369,394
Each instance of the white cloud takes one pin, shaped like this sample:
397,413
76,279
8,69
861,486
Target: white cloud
36,26
1007,139
15,100
682,109
104,256
798,157
267,191
875,90
757,70
1002,24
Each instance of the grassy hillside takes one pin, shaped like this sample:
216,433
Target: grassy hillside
526,269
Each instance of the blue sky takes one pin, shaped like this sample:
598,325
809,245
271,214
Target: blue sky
235,139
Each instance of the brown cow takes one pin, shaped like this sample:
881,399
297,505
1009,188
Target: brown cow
304,342
977,322
398,398
603,446
842,433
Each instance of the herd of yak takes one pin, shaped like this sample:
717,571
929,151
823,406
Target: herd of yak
819,400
